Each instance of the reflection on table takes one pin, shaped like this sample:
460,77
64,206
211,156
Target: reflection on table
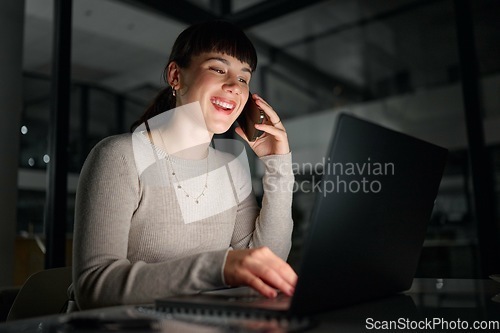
430,305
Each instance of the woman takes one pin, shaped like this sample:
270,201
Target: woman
159,212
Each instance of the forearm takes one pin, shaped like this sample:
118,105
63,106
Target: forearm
121,282
272,225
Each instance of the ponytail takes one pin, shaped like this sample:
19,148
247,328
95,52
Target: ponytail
164,101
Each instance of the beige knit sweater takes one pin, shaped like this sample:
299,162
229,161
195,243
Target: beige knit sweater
138,237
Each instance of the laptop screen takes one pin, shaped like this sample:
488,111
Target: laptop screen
371,212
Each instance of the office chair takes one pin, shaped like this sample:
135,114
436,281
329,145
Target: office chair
7,296
44,293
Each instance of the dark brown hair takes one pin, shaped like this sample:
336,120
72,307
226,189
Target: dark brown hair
213,36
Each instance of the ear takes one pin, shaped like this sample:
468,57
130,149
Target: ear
173,75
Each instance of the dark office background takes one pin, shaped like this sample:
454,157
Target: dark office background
427,68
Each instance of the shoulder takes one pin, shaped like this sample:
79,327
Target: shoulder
222,157
116,149
115,143
230,152
237,163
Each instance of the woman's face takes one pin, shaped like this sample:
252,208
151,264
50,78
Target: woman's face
219,83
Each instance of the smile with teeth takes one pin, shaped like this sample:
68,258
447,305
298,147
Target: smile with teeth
228,106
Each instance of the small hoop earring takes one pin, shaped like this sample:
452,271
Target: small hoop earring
173,91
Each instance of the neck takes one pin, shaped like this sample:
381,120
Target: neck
184,134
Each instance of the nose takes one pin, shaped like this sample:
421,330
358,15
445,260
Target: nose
231,86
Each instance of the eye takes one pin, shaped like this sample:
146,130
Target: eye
242,80
217,70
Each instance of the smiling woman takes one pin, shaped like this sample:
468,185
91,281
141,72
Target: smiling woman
216,80
213,37
160,212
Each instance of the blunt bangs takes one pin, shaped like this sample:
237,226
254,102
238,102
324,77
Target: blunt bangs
216,36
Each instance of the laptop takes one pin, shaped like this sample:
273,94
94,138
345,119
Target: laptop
368,224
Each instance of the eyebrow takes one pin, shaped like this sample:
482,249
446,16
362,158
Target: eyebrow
228,63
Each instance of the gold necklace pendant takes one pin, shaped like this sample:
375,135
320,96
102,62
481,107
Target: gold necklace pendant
173,173
179,186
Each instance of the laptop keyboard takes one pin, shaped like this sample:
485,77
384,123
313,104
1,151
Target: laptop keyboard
280,302
229,321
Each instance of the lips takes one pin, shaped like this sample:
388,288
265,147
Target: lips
223,105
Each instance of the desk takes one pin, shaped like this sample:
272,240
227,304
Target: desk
434,305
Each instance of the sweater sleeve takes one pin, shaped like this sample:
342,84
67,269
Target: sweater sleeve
107,196
272,226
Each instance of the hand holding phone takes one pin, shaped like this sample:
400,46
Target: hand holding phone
250,116
274,140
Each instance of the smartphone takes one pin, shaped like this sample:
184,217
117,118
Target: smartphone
250,116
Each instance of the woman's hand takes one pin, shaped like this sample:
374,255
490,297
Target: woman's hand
274,141
260,269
